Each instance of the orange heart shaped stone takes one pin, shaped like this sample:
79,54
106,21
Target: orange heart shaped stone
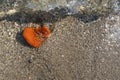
36,36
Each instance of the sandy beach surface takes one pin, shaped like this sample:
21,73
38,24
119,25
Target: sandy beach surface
76,50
